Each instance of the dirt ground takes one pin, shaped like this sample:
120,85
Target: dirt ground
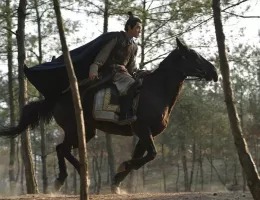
144,196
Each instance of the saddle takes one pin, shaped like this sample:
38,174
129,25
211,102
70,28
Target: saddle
106,105
106,100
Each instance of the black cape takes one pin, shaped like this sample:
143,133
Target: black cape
51,78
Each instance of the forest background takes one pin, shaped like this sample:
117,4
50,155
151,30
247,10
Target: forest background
196,152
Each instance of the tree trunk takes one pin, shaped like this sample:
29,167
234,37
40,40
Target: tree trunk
43,158
242,127
31,183
184,163
100,168
19,163
201,169
257,157
216,171
34,149
240,142
42,129
193,163
55,169
108,171
77,105
98,177
178,172
75,175
234,182
244,180
111,157
66,187
225,170
106,16
11,94
94,174
163,169
130,184
196,179
211,158
143,177
141,66
110,152
21,180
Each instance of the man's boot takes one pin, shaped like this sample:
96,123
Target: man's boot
126,104
126,110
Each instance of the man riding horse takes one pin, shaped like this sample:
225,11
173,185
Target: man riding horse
160,91
111,51
120,52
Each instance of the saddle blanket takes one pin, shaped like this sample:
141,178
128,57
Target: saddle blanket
106,105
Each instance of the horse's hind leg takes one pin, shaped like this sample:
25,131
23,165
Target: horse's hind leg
62,168
64,151
67,147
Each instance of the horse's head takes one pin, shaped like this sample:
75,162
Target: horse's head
193,64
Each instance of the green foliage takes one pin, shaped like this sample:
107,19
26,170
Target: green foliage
187,10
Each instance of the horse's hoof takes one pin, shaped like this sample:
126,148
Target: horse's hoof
58,185
115,189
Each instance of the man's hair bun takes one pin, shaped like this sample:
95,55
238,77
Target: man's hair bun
130,14
132,21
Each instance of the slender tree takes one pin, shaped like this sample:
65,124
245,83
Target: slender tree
42,128
77,105
109,145
75,175
31,183
10,91
240,142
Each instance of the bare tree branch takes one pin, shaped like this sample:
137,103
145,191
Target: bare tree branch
9,30
242,16
150,5
154,59
233,5
30,50
91,3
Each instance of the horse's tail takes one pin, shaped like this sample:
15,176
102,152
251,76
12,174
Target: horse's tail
31,115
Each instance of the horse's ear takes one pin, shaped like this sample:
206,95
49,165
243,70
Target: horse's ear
180,44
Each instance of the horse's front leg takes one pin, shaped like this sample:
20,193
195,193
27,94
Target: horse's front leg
122,172
144,133
146,142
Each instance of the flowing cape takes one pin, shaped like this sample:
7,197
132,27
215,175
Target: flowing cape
51,78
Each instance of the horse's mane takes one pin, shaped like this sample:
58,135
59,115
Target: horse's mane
166,61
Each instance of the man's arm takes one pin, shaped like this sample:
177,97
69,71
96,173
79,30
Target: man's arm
131,66
101,58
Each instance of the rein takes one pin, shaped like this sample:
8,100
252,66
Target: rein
193,79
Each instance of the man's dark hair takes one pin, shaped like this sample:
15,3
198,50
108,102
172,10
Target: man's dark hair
132,21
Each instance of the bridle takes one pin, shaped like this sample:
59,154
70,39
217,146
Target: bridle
194,79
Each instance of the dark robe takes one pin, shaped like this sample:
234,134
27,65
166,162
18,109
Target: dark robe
51,78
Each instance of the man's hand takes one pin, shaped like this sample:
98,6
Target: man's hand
123,68
92,76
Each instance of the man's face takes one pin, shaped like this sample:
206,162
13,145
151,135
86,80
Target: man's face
136,30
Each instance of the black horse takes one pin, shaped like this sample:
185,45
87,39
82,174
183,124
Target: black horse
158,95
